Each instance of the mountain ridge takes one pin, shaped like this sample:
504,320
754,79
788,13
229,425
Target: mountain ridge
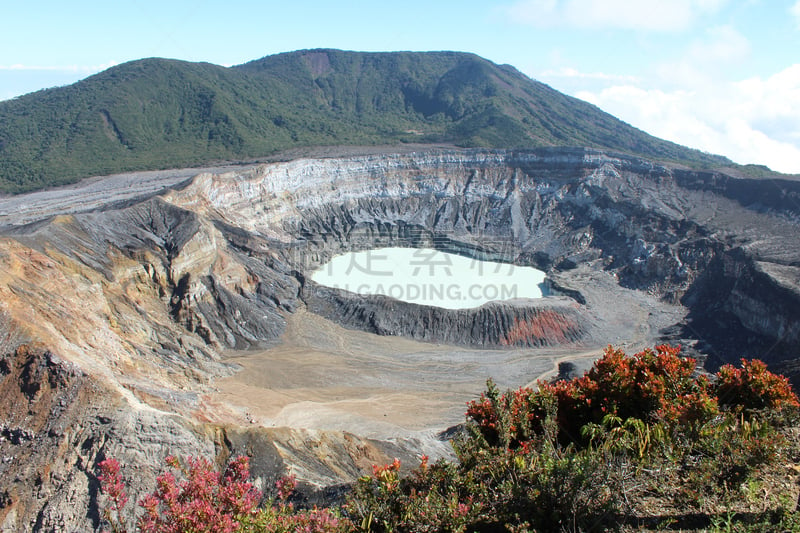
164,113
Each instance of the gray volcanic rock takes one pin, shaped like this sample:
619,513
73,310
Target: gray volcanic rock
514,323
59,423
131,304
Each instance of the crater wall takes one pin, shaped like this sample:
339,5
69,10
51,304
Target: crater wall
657,229
135,300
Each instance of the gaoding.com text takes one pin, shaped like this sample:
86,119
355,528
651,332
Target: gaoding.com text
410,292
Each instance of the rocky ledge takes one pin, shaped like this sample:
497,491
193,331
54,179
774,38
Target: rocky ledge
549,322
134,301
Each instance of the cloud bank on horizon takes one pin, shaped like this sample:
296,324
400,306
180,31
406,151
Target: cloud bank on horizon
722,76
689,98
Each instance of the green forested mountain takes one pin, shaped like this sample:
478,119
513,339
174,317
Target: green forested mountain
158,113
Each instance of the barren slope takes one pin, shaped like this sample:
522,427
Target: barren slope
185,323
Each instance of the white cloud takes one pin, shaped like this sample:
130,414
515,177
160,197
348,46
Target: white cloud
750,121
722,43
654,15
795,11
720,48
689,101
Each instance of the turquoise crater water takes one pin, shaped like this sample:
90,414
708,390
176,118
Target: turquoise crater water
429,277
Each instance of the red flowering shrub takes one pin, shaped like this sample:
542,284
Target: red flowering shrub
753,387
286,486
571,455
205,501
652,385
208,501
484,412
114,488
642,384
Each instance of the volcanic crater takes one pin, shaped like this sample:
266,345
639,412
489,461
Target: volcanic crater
184,303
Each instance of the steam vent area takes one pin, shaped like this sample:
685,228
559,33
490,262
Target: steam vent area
326,314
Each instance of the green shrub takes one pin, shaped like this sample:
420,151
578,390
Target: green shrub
589,454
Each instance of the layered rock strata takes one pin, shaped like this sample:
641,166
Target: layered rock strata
130,305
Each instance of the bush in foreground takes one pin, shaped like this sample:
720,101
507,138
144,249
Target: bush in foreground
638,441
201,500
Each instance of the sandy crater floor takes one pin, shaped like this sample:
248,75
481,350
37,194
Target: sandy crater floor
323,376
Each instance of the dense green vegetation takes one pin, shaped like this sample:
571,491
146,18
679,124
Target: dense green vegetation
639,443
158,113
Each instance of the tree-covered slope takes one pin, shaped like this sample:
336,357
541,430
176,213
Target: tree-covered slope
158,113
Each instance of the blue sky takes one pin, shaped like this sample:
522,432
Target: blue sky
718,75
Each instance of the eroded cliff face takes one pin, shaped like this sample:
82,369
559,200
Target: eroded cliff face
129,313
656,229
58,423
